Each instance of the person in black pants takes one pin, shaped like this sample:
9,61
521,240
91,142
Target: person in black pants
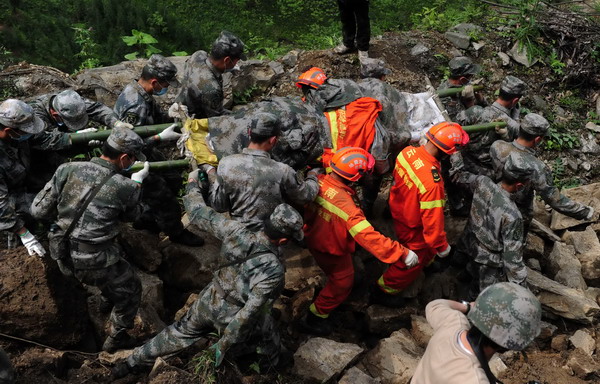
356,27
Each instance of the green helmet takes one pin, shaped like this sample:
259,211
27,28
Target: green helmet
507,314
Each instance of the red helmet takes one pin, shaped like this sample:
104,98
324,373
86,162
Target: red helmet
352,163
314,77
449,137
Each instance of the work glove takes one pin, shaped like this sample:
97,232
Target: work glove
87,130
445,252
139,176
411,259
169,133
33,246
468,92
501,131
416,136
122,124
315,172
219,353
590,214
177,111
95,143
206,167
65,268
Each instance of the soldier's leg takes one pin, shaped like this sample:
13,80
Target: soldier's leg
179,335
340,279
490,276
348,23
363,24
124,289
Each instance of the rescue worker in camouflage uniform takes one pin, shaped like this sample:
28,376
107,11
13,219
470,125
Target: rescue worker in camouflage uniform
506,108
493,239
18,124
532,130
202,85
504,317
250,185
462,71
137,106
238,301
95,256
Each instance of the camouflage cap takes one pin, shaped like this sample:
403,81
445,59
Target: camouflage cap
19,115
265,124
535,124
513,85
288,221
516,167
127,141
373,68
462,66
72,109
162,68
507,314
230,45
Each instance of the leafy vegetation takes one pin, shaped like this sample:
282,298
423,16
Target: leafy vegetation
561,178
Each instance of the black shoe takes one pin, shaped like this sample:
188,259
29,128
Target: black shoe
385,299
315,325
122,340
148,225
188,238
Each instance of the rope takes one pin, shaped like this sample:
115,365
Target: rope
95,354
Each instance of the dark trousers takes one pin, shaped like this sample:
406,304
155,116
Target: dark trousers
356,26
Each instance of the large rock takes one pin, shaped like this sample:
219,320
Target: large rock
323,359
152,292
534,246
383,320
141,247
582,364
561,300
586,194
420,330
38,303
521,56
460,40
394,359
587,250
301,270
565,267
584,341
189,268
356,376
497,366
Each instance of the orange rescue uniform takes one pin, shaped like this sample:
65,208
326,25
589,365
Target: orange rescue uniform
417,206
334,223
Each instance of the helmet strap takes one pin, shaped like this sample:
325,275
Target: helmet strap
478,350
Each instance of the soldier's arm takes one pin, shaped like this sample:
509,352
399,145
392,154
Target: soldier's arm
205,217
133,209
100,113
543,184
299,191
512,254
9,220
217,196
54,140
266,282
460,175
44,206
212,102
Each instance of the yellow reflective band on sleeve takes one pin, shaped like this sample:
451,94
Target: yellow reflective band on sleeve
411,173
331,208
315,312
333,127
432,204
357,228
387,289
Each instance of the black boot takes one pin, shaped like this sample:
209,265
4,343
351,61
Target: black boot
121,340
315,325
385,299
188,238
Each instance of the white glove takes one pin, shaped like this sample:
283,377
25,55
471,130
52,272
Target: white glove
95,143
445,252
33,246
176,111
416,136
590,214
468,92
206,167
87,130
411,259
139,176
122,124
169,133
315,172
500,131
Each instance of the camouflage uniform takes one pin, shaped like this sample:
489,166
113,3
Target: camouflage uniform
7,372
95,254
541,181
459,67
238,301
477,154
250,185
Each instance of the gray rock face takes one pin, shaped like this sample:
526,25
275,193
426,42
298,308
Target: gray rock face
152,291
587,250
565,267
394,359
142,248
520,55
586,194
356,376
383,320
460,40
505,58
582,364
323,359
534,246
419,49
589,144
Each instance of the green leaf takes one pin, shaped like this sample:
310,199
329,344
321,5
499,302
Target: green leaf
129,40
151,49
131,56
146,38
180,53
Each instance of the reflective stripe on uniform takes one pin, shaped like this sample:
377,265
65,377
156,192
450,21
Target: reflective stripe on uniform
413,176
387,289
432,204
356,228
334,128
315,312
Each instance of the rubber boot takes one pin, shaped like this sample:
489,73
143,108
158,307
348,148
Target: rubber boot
385,299
315,325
